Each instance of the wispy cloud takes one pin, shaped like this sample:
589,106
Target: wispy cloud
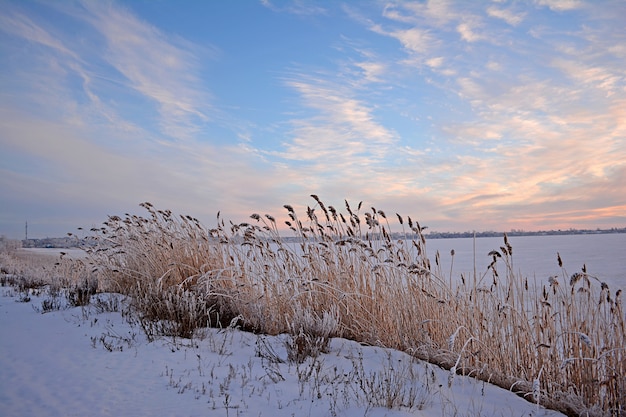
297,7
17,24
469,30
456,112
530,136
515,150
343,128
561,5
507,15
163,69
70,120
437,12
372,70
602,78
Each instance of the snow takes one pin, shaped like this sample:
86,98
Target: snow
84,361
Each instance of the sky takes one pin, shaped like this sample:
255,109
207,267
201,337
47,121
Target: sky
481,115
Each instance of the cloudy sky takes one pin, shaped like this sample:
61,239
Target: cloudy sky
481,115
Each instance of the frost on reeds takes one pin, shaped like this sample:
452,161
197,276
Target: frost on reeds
32,273
342,274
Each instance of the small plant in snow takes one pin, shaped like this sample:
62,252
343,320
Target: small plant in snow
310,334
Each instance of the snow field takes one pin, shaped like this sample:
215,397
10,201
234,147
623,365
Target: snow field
89,361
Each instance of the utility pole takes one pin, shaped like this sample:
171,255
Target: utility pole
26,230
474,257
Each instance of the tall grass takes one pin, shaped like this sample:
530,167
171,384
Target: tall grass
560,343
27,270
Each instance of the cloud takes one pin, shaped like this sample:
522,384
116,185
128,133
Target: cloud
507,15
602,78
470,119
415,40
468,31
17,24
163,69
132,56
372,70
435,62
494,66
111,118
561,5
296,7
437,12
343,127
531,139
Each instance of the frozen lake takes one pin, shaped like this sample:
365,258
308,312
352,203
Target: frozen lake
71,252
536,256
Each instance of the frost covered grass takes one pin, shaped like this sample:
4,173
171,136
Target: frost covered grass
95,360
559,343
62,279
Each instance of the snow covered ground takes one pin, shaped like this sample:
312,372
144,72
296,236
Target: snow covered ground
91,362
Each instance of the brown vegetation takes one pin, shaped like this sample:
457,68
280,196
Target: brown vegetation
560,343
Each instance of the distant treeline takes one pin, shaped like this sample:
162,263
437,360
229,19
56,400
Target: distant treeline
55,242
449,235
74,242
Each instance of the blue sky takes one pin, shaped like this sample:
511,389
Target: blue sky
481,115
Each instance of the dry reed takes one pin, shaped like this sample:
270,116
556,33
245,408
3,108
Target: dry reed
560,343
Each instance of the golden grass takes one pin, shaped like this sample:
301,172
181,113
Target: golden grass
560,343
